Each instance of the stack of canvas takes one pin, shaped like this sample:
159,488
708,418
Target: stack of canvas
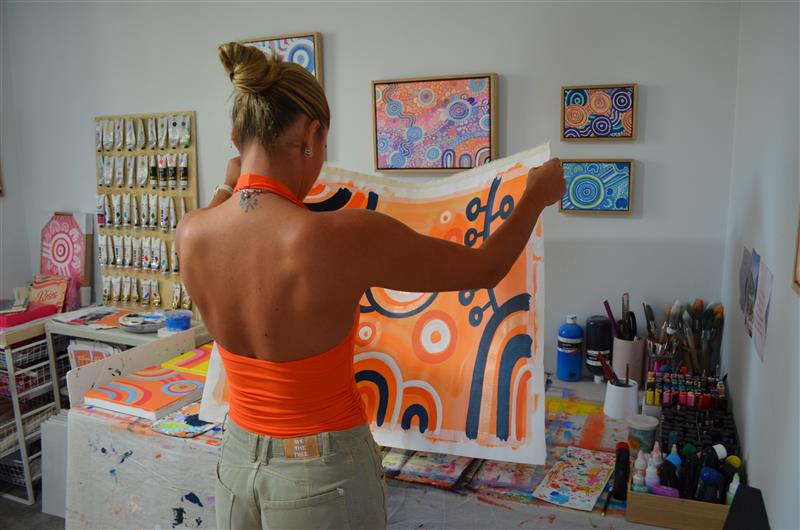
151,393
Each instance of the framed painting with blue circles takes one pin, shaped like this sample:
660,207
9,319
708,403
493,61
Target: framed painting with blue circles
434,124
598,186
598,112
304,49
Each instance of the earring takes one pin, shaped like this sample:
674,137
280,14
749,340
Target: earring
307,152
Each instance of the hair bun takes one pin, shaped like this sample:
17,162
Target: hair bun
250,70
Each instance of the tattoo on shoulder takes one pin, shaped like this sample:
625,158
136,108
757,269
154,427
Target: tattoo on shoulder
248,199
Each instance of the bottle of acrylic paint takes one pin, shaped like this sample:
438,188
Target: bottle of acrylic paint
598,342
570,350
651,479
732,489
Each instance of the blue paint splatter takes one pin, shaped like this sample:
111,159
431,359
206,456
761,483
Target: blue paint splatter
178,514
103,450
125,455
558,498
193,498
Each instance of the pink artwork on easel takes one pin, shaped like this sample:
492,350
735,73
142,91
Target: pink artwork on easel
64,253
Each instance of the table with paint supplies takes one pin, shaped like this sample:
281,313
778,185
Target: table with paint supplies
682,446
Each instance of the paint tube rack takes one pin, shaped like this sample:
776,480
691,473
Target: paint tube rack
129,184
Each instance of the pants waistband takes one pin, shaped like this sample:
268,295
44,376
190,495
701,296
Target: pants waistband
262,447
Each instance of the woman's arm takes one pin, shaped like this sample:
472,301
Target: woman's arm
377,250
232,173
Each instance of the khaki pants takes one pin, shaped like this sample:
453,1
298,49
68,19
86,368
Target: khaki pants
328,480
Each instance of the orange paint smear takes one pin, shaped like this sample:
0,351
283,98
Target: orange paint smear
592,433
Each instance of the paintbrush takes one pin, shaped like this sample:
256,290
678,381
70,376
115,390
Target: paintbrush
687,329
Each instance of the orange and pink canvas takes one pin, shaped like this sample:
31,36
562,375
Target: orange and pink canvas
193,362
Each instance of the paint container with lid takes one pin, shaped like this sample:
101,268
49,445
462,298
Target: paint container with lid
598,342
570,350
642,432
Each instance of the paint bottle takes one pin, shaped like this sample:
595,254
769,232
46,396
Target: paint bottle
598,342
651,479
732,489
570,350
656,457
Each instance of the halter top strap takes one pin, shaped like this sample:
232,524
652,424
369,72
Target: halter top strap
253,181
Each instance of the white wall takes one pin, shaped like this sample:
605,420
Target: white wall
70,63
764,210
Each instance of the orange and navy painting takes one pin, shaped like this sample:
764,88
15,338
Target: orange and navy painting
452,372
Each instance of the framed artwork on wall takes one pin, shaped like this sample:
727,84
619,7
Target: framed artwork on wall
304,49
598,186
434,124
796,279
598,112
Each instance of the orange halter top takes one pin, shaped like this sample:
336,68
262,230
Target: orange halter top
293,398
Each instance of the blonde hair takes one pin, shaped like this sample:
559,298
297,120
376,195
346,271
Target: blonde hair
270,94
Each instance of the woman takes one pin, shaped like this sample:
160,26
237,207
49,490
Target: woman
279,286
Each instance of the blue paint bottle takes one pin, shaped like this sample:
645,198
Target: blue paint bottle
570,350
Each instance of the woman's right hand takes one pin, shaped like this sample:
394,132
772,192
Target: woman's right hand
547,181
233,171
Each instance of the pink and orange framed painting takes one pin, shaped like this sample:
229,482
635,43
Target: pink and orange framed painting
434,124
598,112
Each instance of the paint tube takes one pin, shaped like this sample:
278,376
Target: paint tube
119,171
140,134
186,130
101,211
183,208
172,170
155,253
130,170
99,171
115,204
98,135
173,220
106,289
134,212
145,292
102,257
176,295
155,294
162,132
137,253
152,172
145,253
115,288
186,300
153,210
126,289
151,133
164,257
108,170
118,253
162,171
110,259
119,137
141,171
130,134
174,131
173,258
126,209
144,212
134,290
163,209
128,252
108,134
109,221
183,170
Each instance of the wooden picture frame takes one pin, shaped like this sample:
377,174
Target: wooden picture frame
478,157
630,187
588,133
315,37
796,279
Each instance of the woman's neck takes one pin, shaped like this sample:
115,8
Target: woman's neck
255,159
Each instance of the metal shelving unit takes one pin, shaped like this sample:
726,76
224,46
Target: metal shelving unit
30,377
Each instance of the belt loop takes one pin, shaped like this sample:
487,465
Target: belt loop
266,445
252,446
325,438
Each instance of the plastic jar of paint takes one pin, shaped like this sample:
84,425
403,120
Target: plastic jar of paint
178,320
598,342
642,432
570,350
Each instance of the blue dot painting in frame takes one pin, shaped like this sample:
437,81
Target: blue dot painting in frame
598,186
598,112
304,49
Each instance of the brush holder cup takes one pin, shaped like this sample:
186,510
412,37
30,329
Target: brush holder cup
630,353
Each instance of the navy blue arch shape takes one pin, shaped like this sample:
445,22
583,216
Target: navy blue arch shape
383,392
520,302
518,347
415,410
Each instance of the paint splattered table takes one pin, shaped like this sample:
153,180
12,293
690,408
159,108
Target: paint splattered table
121,474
